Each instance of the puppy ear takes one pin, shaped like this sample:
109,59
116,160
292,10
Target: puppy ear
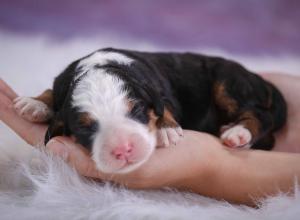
56,127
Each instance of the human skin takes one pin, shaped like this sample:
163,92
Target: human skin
198,163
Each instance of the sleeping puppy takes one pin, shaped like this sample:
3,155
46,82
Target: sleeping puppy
121,104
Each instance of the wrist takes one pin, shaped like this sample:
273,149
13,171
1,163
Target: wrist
206,157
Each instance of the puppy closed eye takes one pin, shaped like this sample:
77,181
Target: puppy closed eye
139,112
86,125
84,130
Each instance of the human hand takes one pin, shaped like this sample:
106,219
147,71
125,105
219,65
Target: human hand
198,163
161,164
192,154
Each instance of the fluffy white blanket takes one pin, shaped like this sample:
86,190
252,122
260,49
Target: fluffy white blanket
43,187
34,185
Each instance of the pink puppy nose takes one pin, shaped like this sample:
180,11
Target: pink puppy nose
122,152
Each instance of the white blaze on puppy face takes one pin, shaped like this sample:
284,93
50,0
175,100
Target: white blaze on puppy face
102,58
121,144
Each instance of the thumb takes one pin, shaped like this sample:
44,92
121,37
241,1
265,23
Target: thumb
74,154
59,147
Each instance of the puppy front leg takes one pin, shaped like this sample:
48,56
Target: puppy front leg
168,131
35,109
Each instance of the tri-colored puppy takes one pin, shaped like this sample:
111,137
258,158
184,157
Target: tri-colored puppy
121,104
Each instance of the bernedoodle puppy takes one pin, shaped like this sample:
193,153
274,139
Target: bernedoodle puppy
121,104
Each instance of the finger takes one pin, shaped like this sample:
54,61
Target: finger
75,155
32,133
7,90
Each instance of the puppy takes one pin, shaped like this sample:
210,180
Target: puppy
121,104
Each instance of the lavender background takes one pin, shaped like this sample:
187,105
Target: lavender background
250,27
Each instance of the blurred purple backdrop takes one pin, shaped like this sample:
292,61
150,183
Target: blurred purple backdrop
239,26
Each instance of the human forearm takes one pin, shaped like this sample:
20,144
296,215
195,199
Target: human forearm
255,174
242,176
34,133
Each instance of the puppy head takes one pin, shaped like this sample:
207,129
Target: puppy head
111,114
113,126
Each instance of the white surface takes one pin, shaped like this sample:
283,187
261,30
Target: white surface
46,188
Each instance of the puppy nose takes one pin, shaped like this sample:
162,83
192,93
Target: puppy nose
122,152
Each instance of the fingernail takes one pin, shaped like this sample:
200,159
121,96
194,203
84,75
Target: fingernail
58,148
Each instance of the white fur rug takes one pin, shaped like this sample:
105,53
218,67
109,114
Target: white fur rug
31,189
34,185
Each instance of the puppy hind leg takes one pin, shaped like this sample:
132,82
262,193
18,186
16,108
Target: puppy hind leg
253,127
236,136
247,124
232,134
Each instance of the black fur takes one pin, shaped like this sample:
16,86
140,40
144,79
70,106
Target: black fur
182,82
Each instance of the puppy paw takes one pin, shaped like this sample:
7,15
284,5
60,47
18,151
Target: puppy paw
32,110
169,136
236,136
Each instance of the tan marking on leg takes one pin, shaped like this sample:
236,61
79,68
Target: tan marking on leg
223,100
85,119
46,97
167,129
152,121
249,120
167,120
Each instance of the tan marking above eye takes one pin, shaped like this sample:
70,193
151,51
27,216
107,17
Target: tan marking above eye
85,119
130,104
